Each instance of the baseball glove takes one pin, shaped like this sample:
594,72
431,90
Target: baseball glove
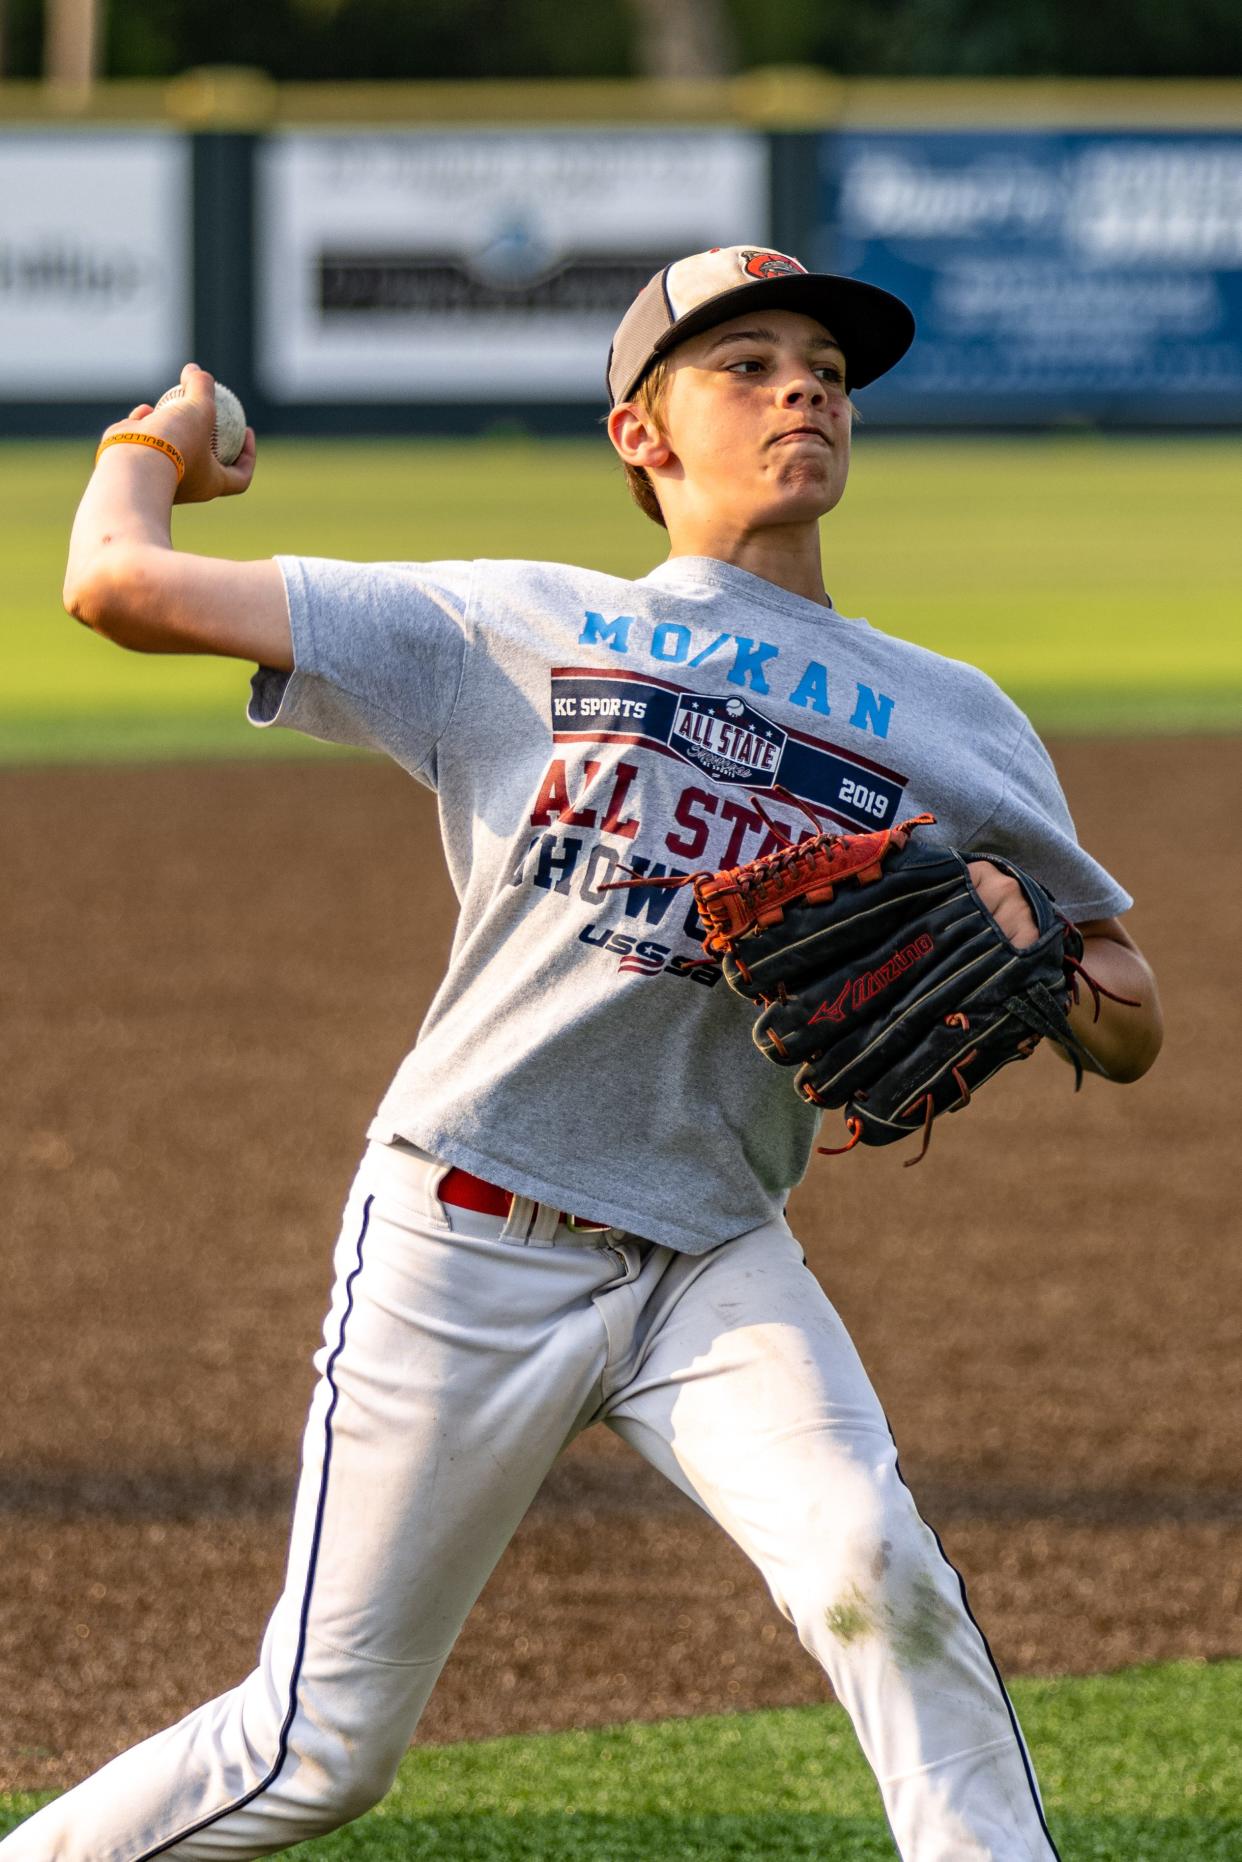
882,977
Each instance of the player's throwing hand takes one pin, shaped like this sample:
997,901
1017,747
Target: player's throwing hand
182,431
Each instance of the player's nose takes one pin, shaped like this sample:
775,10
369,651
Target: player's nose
802,387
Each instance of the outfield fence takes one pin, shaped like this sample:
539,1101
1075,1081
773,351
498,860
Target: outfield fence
451,258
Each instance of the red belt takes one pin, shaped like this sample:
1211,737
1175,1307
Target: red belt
466,1191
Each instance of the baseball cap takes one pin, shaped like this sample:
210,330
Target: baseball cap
872,327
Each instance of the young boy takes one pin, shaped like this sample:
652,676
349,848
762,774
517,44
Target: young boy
571,1206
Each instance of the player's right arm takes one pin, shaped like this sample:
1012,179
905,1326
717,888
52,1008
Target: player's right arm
124,579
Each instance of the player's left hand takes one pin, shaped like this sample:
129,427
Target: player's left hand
1005,899
832,937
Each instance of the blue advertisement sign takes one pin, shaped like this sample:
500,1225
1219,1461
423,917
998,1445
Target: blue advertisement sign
1054,275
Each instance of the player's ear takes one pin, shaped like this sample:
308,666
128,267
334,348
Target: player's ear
637,437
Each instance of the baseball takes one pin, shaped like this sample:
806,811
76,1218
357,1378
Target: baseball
229,433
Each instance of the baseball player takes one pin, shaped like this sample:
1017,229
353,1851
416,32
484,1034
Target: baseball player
571,1207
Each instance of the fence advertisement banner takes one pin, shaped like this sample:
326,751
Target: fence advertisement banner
1054,276
95,257
476,265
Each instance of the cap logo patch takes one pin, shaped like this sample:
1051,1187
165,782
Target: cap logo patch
770,265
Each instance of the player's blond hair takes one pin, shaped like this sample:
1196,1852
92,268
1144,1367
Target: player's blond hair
649,397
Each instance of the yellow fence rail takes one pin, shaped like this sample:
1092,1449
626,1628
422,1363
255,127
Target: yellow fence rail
228,98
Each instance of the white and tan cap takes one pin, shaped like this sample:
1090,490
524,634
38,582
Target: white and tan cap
872,327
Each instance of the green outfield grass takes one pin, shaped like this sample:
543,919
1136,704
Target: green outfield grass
1143,1766
1097,579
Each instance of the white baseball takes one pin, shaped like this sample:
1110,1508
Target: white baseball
228,436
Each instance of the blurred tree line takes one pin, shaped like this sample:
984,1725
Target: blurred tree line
365,39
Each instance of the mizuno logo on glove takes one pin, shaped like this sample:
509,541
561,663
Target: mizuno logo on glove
860,989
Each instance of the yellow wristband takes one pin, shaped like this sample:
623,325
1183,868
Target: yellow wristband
144,439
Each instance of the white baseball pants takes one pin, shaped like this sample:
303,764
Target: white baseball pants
461,1353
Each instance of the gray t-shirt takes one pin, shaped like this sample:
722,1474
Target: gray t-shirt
580,1049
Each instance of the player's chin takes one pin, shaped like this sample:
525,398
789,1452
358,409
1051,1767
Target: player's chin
803,498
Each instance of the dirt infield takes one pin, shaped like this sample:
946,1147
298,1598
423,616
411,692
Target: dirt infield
207,976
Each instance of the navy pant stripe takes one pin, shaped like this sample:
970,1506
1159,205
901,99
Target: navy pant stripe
282,1747
987,1650
1013,1718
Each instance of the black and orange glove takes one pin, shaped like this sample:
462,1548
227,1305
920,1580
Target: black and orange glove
881,976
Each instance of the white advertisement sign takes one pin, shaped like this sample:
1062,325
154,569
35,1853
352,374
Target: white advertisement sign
94,264
480,264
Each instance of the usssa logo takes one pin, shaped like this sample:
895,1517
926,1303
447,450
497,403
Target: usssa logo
728,739
643,956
